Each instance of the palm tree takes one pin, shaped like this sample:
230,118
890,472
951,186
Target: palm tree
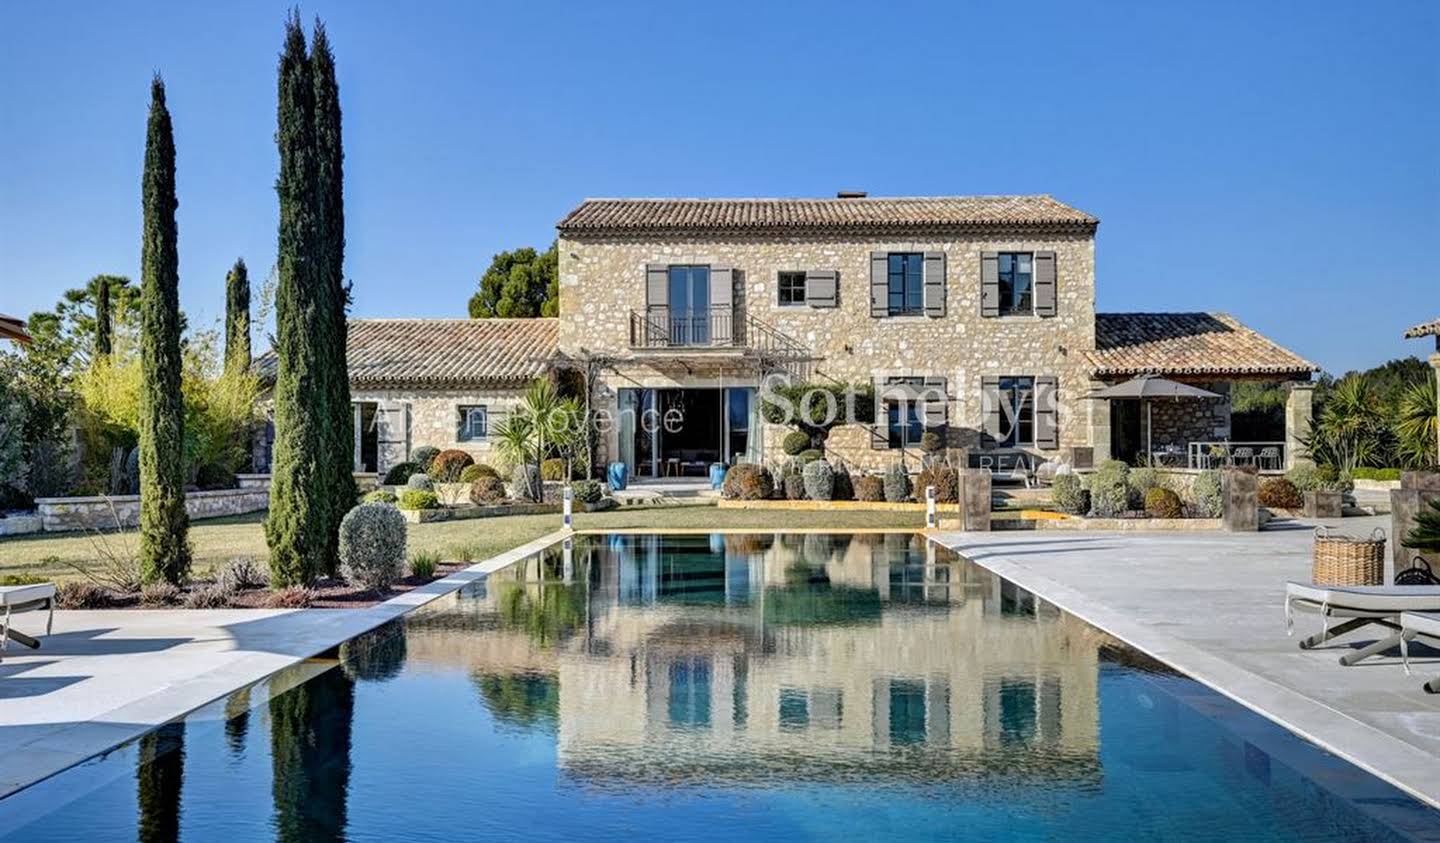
1415,423
544,424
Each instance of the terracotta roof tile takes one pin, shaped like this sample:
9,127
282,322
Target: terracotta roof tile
601,216
1424,329
1187,344
442,352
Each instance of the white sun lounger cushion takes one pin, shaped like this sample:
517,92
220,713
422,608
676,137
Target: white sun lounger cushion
1369,598
14,595
1425,623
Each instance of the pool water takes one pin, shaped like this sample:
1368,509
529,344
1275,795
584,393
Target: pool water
724,687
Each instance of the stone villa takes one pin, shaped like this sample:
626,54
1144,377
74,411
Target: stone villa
985,305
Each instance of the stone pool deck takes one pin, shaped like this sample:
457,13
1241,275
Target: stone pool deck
106,677
1212,606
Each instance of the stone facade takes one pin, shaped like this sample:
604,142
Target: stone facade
602,281
100,512
433,417
1177,423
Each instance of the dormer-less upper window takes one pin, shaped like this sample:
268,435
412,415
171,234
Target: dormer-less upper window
1017,288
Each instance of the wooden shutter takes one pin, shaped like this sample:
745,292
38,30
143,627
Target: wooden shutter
1044,283
1047,429
392,434
937,402
993,414
879,284
989,283
934,283
722,305
462,432
657,303
822,287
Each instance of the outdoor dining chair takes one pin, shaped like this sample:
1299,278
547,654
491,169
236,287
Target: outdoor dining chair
1269,457
1242,456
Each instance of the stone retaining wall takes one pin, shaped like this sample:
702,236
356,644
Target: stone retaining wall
100,512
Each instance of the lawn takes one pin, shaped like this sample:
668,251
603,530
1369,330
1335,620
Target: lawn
220,539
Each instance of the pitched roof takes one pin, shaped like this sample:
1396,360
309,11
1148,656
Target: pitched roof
1424,329
13,328
1187,344
599,216
442,352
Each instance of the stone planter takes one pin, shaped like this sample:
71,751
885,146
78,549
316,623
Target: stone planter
1324,504
1240,491
1417,490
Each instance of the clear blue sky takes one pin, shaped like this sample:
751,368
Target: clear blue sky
1277,160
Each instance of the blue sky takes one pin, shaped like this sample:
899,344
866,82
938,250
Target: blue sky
1276,160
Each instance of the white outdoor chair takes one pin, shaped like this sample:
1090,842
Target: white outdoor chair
1243,455
1269,457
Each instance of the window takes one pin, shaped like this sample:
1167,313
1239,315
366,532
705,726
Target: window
689,703
1017,412
907,712
474,422
689,305
794,709
907,284
902,415
792,289
1017,289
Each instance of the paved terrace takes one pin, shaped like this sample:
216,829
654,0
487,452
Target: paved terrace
106,677
1212,606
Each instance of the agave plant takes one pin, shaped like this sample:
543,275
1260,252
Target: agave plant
1351,430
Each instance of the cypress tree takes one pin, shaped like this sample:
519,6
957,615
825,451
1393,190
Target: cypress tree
237,318
103,322
330,157
164,548
297,529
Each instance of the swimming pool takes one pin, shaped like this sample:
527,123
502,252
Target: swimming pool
724,687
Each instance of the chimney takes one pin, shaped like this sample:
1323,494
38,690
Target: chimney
850,194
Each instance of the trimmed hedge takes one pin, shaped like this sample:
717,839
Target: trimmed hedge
945,479
372,545
423,455
1207,496
380,496
870,488
400,473
897,483
1161,502
1069,495
844,487
485,491
476,471
747,482
1279,493
819,481
587,491
794,442
449,465
420,482
416,499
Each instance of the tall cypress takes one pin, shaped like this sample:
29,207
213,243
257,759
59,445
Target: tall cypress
164,547
103,321
237,318
299,523
330,157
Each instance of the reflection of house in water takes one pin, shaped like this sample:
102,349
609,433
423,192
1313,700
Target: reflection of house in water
749,658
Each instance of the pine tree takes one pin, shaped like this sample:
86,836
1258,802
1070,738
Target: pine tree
298,527
103,322
164,525
237,318
330,157
1425,535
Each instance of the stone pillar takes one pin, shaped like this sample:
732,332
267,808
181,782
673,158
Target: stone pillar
975,499
1417,490
1240,492
1099,423
1299,413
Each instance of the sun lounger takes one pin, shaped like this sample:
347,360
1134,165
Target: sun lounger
25,598
1424,625
1360,605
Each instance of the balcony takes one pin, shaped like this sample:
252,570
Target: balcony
717,328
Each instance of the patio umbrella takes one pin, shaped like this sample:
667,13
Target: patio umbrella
1149,387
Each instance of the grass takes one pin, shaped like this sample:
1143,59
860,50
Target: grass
218,540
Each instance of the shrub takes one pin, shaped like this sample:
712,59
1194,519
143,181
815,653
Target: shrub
208,597
588,491
423,455
159,594
931,442
400,473
794,485
414,499
294,597
819,480
868,487
897,483
526,483
81,595
552,469
476,471
1365,473
1109,501
1069,495
747,482
1206,493
372,544
1141,481
1161,502
448,465
1334,479
423,564
420,482
1304,477
380,496
487,491
844,489
945,480
1110,473
809,455
214,475
794,442
241,573
1279,493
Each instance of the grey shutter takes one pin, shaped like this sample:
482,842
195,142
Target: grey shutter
990,284
657,303
936,413
993,414
722,305
822,287
934,283
880,431
1044,283
1047,430
392,434
461,428
879,283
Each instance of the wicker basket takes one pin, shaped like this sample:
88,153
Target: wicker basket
1346,560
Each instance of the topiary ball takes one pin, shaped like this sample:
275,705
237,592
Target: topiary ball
794,442
420,482
423,455
372,545
449,465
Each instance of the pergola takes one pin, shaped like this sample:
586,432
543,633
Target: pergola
12,328
1431,329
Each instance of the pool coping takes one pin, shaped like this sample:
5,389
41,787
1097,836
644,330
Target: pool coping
1407,767
60,749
